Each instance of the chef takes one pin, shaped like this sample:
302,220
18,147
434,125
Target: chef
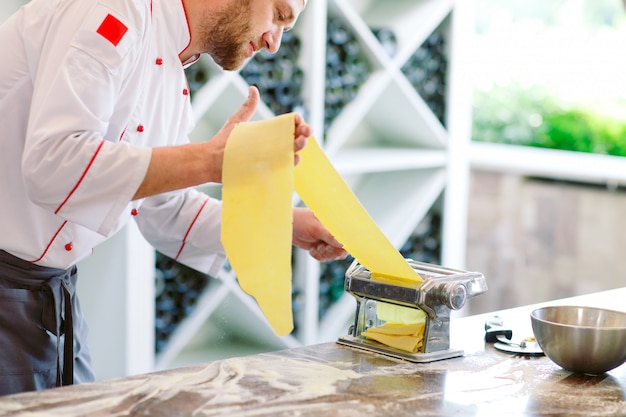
94,122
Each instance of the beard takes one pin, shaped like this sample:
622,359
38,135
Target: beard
227,35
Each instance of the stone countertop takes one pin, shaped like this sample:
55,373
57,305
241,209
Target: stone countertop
334,380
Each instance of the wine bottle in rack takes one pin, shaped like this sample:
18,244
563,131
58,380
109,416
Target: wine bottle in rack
388,40
177,289
346,69
331,286
424,244
427,70
278,77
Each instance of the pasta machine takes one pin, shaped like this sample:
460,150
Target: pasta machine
441,291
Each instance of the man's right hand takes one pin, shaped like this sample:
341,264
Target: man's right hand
177,167
217,144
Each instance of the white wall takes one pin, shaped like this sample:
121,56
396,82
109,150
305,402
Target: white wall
116,288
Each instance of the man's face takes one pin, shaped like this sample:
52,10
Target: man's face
228,33
235,33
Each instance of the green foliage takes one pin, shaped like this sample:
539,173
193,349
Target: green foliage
528,116
505,114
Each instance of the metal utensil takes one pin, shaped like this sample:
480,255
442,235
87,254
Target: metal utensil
526,346
581,339
442,291
507,341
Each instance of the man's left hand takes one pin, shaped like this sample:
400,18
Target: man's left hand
310,234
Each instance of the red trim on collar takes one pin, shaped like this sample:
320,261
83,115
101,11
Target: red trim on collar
191,61
188,27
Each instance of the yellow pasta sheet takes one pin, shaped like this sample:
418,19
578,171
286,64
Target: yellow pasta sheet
407,337
404,327
323,190
393,313
258,182
257,214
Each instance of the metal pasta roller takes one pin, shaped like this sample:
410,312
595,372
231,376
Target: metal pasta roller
442,290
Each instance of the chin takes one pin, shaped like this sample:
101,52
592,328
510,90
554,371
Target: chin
231,64
233,67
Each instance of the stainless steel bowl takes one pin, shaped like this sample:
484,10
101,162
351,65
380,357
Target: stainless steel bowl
581,339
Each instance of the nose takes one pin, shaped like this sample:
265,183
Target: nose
272,39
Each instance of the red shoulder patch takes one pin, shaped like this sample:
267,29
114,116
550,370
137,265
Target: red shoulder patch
112,29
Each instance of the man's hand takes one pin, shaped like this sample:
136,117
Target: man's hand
243,114
302,132
176,167
310,234
217,144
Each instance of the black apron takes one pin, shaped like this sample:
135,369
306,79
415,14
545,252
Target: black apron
43,335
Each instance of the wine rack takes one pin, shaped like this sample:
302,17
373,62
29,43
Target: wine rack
426,70
278,77
346,69
177,290
379,84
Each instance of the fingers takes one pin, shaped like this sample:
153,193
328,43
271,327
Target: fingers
326,253
303,129
332,242
299,143
302,133
332,252
247,109
311,235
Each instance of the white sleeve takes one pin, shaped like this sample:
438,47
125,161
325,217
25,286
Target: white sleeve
70,168
185,226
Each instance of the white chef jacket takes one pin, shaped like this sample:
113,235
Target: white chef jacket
87,88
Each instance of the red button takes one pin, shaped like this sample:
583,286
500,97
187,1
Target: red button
140,128
185,92
134,212
68,247
159,61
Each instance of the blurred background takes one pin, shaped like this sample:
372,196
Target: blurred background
487,135
548,75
